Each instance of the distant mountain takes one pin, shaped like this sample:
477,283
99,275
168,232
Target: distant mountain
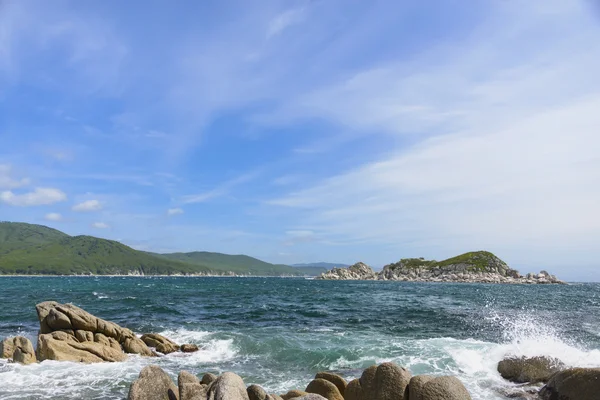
321,264
37,249
239,264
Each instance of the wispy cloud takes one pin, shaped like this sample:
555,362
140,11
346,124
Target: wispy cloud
54,217
220,190
284,20
174,211
38,197
87,206
7,180
100,225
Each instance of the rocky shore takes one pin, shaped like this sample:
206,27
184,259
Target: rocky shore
474,267
68,333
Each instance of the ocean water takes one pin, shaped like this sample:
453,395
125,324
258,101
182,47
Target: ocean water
278,332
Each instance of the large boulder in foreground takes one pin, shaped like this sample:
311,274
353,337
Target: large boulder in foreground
69,333
414,390
337,380
19,349
387,381
573,384
190,387
444,388
532,370
228,386
153,384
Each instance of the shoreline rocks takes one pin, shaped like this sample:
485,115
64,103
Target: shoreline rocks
69,333
474,267
386,381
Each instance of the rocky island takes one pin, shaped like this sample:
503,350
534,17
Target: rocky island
472,267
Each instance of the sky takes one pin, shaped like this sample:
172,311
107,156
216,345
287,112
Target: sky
303,131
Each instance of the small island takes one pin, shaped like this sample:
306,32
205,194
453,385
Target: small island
472,267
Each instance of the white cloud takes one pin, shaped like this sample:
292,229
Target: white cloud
506,144
284,20
7,181
220,190
88,205
53,217
174,211
38,197
100,225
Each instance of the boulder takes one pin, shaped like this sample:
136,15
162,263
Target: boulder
256,392
190,387
189,348
275,397
337,380
573,384
533,370
160,343
208,378
325,389
310,396
19,349
292,394
153,384
387,381
134,345
61,346
444,388
87,328
415,387
228,386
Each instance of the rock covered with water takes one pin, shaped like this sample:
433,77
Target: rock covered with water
529,370
573,384
19,349
473,267
358,271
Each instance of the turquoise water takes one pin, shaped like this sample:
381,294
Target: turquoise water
279,332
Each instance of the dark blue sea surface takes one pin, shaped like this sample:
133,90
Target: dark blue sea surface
278,332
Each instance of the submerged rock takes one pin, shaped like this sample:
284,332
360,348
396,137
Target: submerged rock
532,370
153,384
189,348
19,349
573,384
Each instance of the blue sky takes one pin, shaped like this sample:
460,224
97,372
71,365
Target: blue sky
299,131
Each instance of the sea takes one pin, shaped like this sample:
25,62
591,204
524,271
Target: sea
279,332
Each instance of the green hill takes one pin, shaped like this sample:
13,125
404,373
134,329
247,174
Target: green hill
239,264
36,249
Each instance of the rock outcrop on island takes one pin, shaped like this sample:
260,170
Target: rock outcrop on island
69,333
478,266
384,382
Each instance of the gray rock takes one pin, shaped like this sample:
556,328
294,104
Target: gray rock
208,378
189,348
292,394
153,384
310,396
387,381
160,343
190,387
228,386
256,392
444,388
415,387
533,370
573,384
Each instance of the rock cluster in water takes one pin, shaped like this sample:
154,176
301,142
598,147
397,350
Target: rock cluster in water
387,381
560,382
69,333
476,267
